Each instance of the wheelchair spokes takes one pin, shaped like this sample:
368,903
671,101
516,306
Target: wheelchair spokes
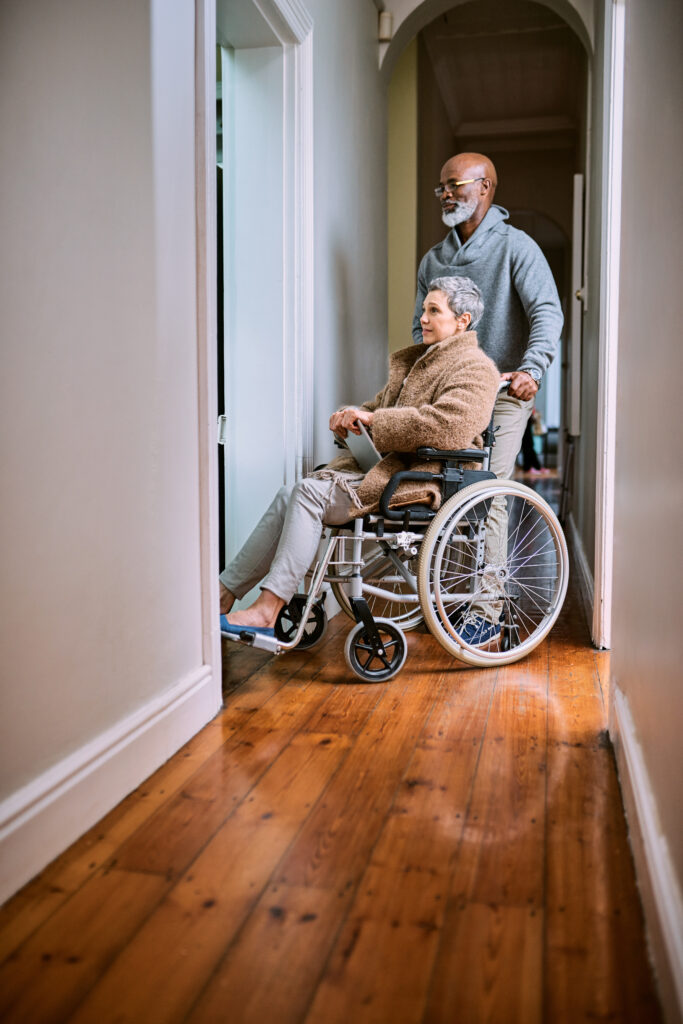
493,594
376,658
389,582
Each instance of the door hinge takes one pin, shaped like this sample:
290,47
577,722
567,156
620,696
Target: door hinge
222,429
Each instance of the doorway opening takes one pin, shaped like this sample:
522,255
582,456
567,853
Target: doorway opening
508,78
263,89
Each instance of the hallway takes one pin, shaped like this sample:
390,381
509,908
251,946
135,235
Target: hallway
447,847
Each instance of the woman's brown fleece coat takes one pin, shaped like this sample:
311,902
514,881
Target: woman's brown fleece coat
444,399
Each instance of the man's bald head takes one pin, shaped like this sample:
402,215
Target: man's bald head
469,183
469,165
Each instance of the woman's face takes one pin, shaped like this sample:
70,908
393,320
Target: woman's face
438,321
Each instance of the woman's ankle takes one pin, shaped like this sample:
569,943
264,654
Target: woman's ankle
226,598
268,605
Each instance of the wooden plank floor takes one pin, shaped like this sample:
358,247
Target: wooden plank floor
447,847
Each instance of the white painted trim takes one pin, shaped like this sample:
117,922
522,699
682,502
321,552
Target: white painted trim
613,119
576,307
293,26
289,19
585,580
659,886
42,818
587,199
304,255
206,217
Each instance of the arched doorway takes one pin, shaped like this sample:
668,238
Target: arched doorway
515,80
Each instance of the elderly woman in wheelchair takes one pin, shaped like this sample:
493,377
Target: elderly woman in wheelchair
433,419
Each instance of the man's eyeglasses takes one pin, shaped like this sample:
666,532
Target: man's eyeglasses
451,186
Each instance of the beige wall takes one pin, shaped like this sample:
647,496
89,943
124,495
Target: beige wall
539,180
648,551
436,144
401,192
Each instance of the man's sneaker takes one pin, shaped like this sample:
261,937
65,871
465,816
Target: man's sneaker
477,631
457,617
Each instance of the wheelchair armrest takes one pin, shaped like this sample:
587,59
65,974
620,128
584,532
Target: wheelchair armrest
389,490
459,455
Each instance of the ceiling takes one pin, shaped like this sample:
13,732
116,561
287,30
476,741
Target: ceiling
511,74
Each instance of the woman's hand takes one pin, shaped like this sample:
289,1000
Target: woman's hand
346,419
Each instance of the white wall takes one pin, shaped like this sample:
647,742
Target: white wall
350,210
648,549
102,632
101,611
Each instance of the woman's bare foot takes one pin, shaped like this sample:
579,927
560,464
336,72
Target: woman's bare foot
227,598
263,612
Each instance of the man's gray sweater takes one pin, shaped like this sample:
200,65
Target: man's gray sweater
522,319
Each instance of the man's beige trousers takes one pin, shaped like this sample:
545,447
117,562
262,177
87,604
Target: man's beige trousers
510,415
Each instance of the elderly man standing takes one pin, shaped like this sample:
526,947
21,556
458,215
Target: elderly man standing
520,328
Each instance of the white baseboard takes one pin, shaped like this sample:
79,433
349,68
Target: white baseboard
41,819
586,583
659,887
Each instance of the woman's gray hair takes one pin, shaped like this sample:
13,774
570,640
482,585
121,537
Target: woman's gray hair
462,296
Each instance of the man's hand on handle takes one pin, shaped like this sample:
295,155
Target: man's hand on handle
345,419
522,385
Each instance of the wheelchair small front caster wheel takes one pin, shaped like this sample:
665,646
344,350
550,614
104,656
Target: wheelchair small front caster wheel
373,663
289,618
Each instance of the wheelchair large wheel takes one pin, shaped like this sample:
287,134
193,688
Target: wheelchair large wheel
500,589
379,571
370,664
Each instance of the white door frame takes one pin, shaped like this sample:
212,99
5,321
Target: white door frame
613,121
207,375
292,25
576,307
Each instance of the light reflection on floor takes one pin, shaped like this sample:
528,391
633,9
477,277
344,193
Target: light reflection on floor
548,484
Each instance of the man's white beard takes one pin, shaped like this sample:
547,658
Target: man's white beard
461,213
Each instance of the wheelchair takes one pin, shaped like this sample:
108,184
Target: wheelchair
494,550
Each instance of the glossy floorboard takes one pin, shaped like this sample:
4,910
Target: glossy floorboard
447,847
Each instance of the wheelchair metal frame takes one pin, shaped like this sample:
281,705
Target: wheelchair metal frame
404,531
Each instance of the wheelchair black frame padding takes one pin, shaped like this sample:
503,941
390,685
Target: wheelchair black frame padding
361,610
452,478
415,511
